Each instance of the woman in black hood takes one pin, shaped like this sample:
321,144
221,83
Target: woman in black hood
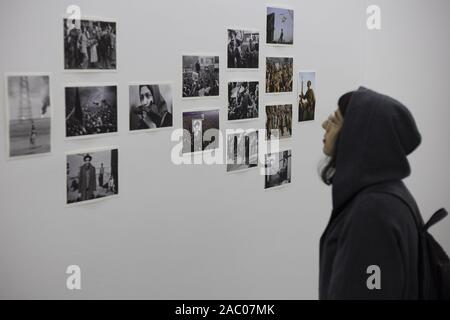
369,249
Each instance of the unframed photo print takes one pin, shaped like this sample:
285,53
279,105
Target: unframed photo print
90,110
242,49
279,74
278,121
200,130
29,114
243,100
90,44
92,175
151,106
200,76
277,169
306,95
242,150
280,26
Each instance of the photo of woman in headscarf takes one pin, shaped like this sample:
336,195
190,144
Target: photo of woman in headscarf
150,107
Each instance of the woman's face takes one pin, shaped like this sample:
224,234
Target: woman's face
146,96
332,127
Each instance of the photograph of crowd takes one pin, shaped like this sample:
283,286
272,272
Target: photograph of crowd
28,114
92,175
280,26
91,110
278,121
277,169
242,150
243,49
200,130
200,76
279,74
306,95
89,45
243,100
150,106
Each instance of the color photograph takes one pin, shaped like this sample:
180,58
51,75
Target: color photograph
278,121
279,74
280,26
306,95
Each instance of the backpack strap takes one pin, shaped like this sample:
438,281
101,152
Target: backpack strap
435,218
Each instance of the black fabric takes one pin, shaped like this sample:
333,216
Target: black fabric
371,228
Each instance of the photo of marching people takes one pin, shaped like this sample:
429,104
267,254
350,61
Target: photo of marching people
200,76
280,26
91,110
243,49
242,150
278,169
279,74
243,100
28,114
306,96
89,45
92,175
278,121
150,106
200,131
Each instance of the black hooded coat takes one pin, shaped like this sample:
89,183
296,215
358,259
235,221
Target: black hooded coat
371,228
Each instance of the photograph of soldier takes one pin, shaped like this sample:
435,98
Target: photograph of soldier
279,74
28,115
278,121
92,175
91,110
150,106
242,150
277,169
200,130
200,76
280,26
243,100
306,96
89,45
242,49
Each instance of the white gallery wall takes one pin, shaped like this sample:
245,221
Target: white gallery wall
196,232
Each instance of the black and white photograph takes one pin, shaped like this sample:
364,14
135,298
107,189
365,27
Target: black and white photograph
29,114
92,175
279,74
90,44
277,169
151,106
91,110
243,100
243,49
242,150
200,76
280,26
306,95
278,121
200,131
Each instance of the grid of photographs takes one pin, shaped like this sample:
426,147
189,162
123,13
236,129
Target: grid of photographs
89,44
201,130
243,100
151,106
91,110
242,49
200,76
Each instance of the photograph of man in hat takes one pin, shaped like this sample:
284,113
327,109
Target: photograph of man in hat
87,179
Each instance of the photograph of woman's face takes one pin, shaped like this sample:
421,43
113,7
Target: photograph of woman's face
146,96
332,126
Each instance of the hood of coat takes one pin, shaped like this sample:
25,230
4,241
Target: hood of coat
377,135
